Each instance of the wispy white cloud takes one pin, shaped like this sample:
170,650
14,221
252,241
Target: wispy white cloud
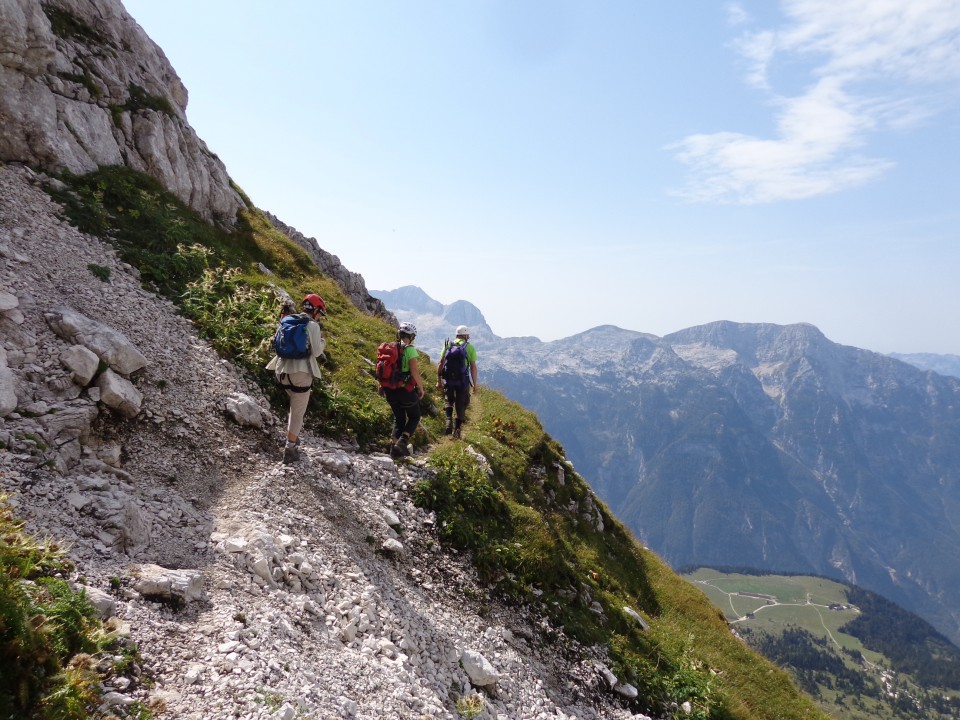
871,61
736,14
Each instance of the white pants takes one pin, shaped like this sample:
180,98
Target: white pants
298,401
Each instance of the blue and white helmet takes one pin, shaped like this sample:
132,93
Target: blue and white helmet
407,328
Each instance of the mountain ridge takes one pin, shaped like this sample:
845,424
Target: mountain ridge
789,451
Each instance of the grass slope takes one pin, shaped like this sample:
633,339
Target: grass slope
533,525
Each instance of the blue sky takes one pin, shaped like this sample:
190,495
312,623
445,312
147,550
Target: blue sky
563,165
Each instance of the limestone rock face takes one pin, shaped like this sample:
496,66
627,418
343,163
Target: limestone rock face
82,85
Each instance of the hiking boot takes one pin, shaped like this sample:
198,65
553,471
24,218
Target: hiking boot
400,448
449,428
291,453
456,432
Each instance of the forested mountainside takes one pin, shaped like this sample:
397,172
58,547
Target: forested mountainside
858,654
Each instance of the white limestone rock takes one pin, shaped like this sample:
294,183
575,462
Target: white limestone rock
108,344
478,669
244,410
83,363
53,120
119,393
181,586
8,386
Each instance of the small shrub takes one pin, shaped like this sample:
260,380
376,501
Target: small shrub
272,700
66,25
100,272
471,705
463,497
49,632
139,711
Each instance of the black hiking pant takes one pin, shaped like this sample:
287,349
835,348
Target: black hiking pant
406,410
457,398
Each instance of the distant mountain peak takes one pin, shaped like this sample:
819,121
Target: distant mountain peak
435,321
409,297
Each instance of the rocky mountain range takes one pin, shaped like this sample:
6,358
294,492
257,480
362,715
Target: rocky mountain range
757,445
939,363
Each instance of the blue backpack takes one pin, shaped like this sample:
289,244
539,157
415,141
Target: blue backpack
456,368
292,341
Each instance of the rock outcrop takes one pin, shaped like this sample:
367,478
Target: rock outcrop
82,85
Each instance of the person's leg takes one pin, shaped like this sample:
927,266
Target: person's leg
399,414
298,403
449,399
413,417
298,409
410,405
462,399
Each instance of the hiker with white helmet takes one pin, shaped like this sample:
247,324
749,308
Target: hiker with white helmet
402,386
298,343
456,376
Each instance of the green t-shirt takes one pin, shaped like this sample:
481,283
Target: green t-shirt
407,354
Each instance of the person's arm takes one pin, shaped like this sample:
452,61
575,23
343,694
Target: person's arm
472,357
317,343
415,374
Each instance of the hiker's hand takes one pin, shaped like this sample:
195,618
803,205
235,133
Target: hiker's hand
439,384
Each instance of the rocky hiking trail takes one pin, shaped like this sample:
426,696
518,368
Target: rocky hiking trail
251,589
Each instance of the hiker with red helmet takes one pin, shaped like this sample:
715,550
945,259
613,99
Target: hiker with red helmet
298,343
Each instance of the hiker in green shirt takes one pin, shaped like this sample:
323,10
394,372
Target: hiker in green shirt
405,400
456,376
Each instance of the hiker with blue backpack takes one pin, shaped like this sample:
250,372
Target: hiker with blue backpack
400,383
298,343
457,377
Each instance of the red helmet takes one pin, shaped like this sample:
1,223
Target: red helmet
314,303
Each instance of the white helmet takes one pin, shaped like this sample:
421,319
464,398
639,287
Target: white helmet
407,328
463,330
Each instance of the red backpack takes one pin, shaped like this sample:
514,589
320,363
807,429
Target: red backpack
388,372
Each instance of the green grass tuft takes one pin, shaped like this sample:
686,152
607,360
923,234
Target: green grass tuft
48,632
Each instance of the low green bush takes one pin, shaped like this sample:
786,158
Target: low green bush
48,632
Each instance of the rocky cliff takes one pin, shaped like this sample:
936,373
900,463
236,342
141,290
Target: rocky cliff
81,85
352,284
